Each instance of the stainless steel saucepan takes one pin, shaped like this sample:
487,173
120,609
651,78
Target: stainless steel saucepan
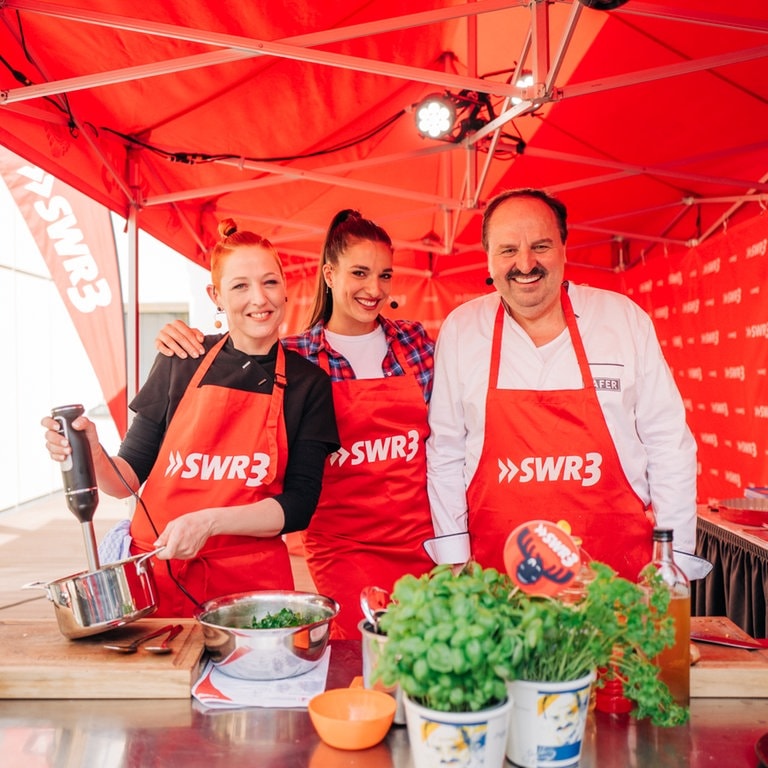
96,601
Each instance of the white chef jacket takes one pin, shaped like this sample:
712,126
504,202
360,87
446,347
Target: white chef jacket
640,401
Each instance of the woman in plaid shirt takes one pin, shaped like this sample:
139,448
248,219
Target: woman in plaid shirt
373,514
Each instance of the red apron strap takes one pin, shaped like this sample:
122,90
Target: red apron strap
498,330
578,344
275,409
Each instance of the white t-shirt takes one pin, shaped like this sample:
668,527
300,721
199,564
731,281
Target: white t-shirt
364,353
639,398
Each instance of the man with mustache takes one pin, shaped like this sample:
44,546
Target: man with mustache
553,401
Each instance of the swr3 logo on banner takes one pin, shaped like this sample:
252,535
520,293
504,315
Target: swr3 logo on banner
546,469
381,449
251,469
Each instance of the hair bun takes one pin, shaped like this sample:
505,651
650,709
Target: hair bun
227,227
347,214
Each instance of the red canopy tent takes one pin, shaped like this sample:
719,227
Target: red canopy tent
649,121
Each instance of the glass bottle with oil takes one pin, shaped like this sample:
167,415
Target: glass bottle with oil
674,662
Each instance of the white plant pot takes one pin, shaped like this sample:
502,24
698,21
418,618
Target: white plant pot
547,722
457,738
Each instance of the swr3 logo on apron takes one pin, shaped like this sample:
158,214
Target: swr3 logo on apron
547,469
251,469
387,448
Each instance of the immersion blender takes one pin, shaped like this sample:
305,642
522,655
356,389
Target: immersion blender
79,476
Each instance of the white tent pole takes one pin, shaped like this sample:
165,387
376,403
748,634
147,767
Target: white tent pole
472,159
450,218
290,48
735,207
132,306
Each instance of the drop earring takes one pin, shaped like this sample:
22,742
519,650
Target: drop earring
217,320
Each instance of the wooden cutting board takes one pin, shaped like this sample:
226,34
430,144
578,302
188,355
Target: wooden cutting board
727,672
38,662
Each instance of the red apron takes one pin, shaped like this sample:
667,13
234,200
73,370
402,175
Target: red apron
373,513
223,447
549,455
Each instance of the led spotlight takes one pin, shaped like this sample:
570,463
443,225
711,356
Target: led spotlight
435,116
524,81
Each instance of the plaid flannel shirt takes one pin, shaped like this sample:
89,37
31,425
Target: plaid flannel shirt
418,347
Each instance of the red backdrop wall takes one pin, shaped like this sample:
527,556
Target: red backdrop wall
710,308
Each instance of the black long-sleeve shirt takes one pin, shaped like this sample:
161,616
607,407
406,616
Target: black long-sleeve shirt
308,410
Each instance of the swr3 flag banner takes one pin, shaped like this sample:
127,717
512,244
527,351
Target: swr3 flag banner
74,235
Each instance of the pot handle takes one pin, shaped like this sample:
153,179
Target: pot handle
140,562
39,585
35,585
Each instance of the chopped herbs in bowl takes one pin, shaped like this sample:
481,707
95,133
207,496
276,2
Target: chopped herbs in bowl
285,617
267,635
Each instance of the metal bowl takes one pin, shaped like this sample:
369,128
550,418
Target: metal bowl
266,654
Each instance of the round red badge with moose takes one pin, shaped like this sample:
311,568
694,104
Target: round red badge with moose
541,558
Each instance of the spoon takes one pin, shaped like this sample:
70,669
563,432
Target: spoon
133,646
374,602
164,647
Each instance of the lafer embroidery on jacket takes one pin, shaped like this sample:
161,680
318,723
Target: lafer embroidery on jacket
612,385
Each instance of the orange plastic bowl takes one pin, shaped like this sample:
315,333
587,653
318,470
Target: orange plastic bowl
352,718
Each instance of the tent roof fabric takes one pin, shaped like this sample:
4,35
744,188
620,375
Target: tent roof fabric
648,121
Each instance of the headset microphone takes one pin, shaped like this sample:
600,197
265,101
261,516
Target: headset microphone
489,281
393,304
